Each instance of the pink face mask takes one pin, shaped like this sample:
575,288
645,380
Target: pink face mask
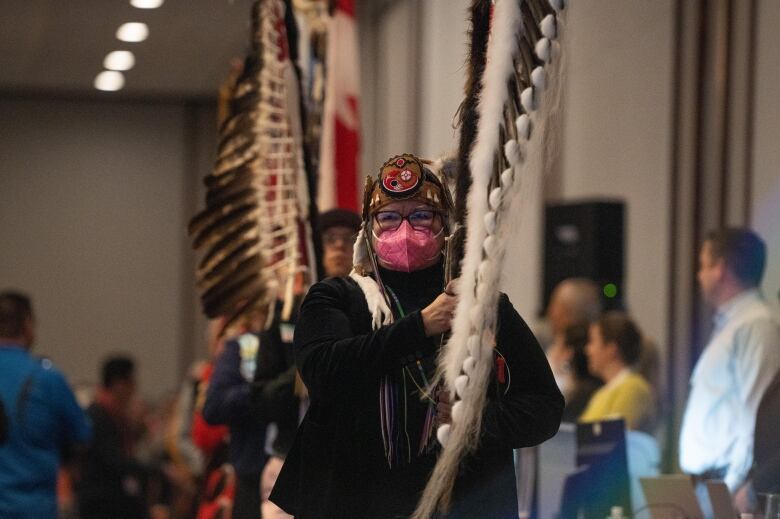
407,249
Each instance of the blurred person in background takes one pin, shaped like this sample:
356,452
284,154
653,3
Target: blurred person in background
613,349
113,481
198,449
736,366
573,301
614,346
574,379
40,422
338,229
252,382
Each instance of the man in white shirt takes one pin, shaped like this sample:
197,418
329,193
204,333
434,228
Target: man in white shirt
737,365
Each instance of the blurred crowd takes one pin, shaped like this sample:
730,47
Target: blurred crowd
214,448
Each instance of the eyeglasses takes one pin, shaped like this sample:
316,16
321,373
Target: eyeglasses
332,238
391,220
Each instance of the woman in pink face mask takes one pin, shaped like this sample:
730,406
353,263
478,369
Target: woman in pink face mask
367,346
408,236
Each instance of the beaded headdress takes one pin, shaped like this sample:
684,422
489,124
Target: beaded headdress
405,177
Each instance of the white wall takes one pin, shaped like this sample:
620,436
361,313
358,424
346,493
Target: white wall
388,43
412,66
765,216
444,48
616,133
94,199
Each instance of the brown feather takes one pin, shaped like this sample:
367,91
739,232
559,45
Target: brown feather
234,145
231,261
224,246
531,29
222,298
214,181
235,184
468,119
218,224
240,267
226,165
250,288
529,62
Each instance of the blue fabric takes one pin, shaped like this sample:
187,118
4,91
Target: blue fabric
229,401
48,422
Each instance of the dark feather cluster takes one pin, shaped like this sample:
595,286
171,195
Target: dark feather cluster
229,271
468,118
468,114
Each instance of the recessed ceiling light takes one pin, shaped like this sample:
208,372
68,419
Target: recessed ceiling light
146,4
109,81
132,32
119,60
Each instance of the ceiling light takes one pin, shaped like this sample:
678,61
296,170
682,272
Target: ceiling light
132,32
119,60
146,4
109,81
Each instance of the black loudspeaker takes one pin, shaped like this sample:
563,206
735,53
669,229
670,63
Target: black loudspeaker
585,239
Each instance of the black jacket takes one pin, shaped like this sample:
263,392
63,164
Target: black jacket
337,467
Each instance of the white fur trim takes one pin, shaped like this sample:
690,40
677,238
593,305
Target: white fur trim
483,291
380,312
484,269
507,178
457,411
468,365
489,245
461,385
473,345
490,222
475,315
523,125
443,434
549,27
495,198
528,99
543,49
360,250
539,78
512,152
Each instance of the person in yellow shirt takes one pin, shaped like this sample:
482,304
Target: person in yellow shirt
614,345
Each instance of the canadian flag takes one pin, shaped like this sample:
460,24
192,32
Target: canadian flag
340,146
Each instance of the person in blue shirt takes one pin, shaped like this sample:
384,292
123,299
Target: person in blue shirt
40,421
251,381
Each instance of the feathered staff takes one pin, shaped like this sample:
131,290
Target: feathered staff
502,108
254,228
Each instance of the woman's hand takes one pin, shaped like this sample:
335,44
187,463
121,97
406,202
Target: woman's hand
437,316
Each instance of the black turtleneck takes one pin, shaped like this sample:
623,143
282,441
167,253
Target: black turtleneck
415,290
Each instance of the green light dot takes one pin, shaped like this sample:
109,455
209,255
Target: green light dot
610,290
